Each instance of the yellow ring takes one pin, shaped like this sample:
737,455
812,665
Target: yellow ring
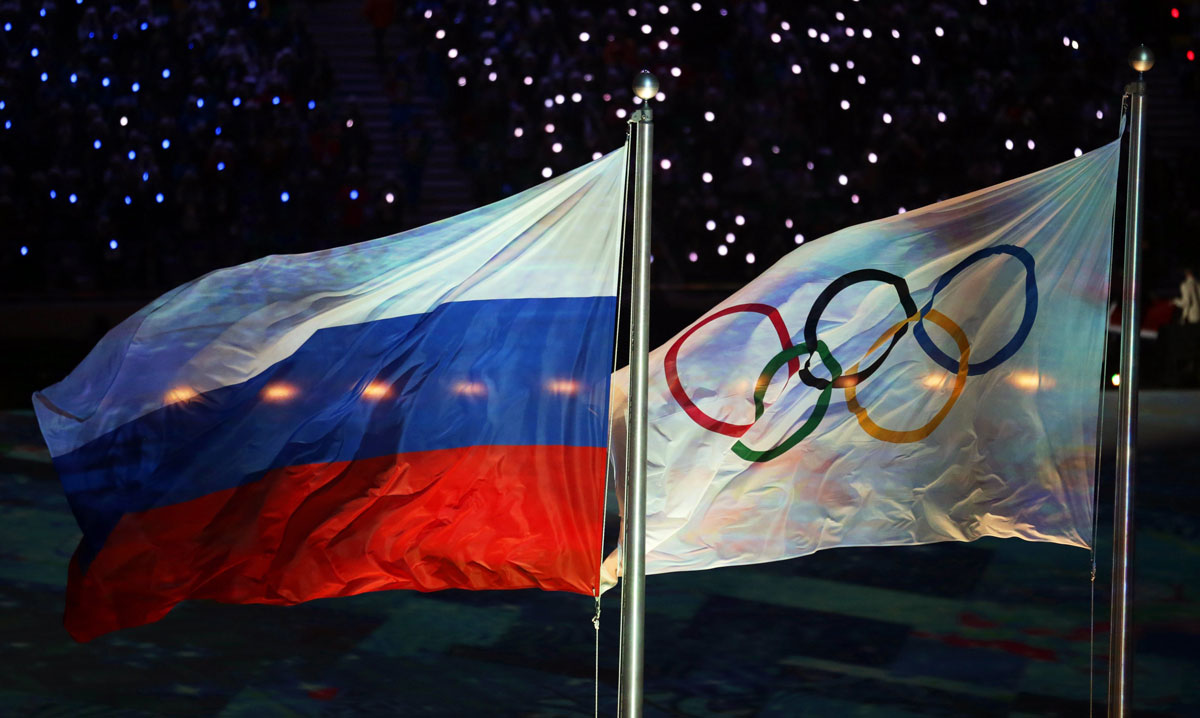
960,381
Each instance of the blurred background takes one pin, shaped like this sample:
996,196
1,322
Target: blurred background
143,144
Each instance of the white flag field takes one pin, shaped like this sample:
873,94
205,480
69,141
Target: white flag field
932,376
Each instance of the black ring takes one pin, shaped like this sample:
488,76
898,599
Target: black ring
823,300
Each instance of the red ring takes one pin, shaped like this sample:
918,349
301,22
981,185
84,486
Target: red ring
672,372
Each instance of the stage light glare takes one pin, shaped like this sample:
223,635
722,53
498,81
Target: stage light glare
775,37
662,45
237,102
1074,44
547,172
646,29
96,144
275,100
349,124
939,31
597,155
696,7
74,78
749,257
739,220
787,223
661,96
676,72
528,80
1078,152
517,132
941,117
452,53
1066,41
549,128
353,194
812,33
428,14
548,103
135,86
796,69
462,82
559,99
692,257
710,225
916,59
746,161
665,164
1099,114
901,211
709,116
33,52
389,198
284,197
663,9
576,97
53,194
841,17
824,37
128,200
220,166
491,77
440,34
862,80
199,102
621,112
123,121
159,198
166,73
145,176
132,155
799,239
843,180
845,104
895,34
556,147
1008,144
584,37
24,250
1030,144
833,67
105,82
872,157
722,250
112,244
72,198
887,118
487,62
853,199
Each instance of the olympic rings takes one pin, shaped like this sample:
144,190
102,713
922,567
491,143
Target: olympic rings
789,354
818,412
670,366
1031,305
960,381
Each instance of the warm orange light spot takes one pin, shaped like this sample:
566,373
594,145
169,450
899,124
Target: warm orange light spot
934,381
377,390
279,391
470,388
1116,380
1031,380
179,395
563,386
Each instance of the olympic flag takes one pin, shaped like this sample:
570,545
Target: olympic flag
422,411
931,376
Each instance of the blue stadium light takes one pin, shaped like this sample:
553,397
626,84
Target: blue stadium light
104,81
253,4
275,100
159,198
237,102
166,73
199,102
112,244
42,12
115,36
220,166
45,77
72,198
8,27
353,194
33,52
284,197
128,200
166,144
217,131
132,155
24,250
143,26
78,2
96,144
136,86
74,78
312,104
145,176
8,124
53,194
91,35
2,104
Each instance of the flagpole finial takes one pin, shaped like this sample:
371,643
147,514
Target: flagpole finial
1141,59
645,85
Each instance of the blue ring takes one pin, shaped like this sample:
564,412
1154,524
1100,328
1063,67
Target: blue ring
1031,303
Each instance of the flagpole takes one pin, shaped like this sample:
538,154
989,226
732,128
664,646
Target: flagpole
633,591
1119,654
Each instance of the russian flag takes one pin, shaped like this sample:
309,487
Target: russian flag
424,411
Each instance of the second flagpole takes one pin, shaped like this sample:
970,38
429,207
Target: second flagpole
633,591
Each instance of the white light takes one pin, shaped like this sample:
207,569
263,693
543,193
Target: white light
809,165
439,34
722,250
487,62
862,80
556,147
491,77
1008,144
843,179
597,155
549,127
841,17
774,149
1099,114
637,100
584,37
662,45
453,53
833,67
941,117
730,238
349,124
528,80
621,112
795,69
746,161
849,64
824,37
428,14
710,225
896,34
887,118
676,72
559,99
695,7
646,29
854,199
939,31
124,121
576,97
812,33
1030,144
785,25
901,211
607,97
1074,44
867,32
632,12
750,258
517,132
983,2
663,9
692,256
799,239
708,116
707,177
1078,152
1066,41
661,96
775,37
389,198
462,82
787,223
739,220
546,172
845,104
872,157
665,164
916,59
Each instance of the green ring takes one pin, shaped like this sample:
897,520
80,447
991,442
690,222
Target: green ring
818,412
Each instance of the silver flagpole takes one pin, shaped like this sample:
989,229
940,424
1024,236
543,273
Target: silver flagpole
633,591
1119,668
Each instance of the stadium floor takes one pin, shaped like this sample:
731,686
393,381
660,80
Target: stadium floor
990,628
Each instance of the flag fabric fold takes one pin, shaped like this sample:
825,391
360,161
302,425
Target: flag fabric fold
931,376
425,411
